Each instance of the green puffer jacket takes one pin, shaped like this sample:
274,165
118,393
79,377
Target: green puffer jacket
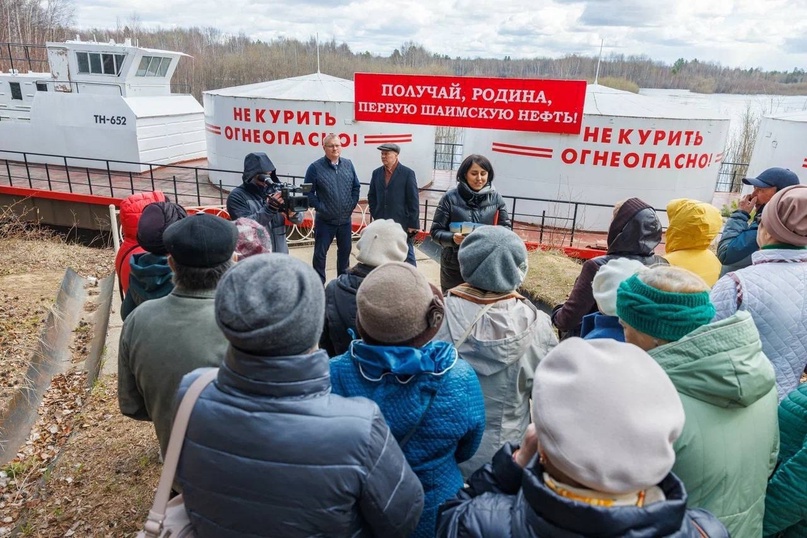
786,503
730,440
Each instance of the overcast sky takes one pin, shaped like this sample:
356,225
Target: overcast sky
771,34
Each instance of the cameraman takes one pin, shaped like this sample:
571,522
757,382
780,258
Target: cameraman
252,200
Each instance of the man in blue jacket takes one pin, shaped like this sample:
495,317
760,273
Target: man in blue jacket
394,195
334,194
739,238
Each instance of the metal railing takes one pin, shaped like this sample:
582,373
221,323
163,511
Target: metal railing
27,58
730,177
447,156
547,221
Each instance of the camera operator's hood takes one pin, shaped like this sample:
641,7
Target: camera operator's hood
256,163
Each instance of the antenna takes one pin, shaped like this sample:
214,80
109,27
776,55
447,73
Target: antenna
318,53
599,59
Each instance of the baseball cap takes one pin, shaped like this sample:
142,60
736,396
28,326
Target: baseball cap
773,177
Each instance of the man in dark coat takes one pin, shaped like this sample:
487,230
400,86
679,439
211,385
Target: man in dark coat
251,201
334,194
394,195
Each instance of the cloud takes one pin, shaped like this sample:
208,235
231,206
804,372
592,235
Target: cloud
735,32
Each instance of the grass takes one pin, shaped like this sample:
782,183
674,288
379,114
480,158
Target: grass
550,277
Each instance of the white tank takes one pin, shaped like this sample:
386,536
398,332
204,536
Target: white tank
630,146
287,120
781,143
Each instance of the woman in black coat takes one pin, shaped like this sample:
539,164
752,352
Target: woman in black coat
475,200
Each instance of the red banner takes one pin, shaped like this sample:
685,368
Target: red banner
513,104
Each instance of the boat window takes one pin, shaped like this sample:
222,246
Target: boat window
83,62
119,63
144,64
108,61
16,92
41,87
164,67
95,64
153,66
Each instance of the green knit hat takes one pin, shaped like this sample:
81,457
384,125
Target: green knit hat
662,314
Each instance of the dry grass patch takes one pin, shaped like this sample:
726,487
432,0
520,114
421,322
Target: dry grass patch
551,276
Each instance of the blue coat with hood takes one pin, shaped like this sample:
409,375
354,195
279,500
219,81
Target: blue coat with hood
503,500
150,277
402,381
249,200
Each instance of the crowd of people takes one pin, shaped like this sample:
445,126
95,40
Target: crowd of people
663,398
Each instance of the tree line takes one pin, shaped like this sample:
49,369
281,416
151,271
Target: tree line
221,60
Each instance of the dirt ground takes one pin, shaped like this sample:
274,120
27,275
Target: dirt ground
85,470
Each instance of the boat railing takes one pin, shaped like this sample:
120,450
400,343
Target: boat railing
29,56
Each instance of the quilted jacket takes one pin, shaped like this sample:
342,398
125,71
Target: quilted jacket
340,310
503,500
130,210
786,503
774,292
270,451
402,381
504,348
693,227
728,447
335,190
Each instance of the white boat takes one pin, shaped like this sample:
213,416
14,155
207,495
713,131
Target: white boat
105,101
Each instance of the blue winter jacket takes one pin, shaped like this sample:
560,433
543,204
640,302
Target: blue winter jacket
271,451
598,325
150,277
335,190
738,241
402,381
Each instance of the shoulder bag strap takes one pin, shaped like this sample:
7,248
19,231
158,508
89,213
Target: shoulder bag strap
156,516
482,311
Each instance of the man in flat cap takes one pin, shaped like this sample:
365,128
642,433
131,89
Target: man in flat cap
164,339
394,195
739,238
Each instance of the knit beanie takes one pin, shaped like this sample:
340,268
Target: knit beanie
396,305
153,222
493,258
626,212
785,216
608,279
271,304
253,238
662,314
201,240
606,415
382,241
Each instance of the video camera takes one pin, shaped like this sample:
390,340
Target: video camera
294,196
